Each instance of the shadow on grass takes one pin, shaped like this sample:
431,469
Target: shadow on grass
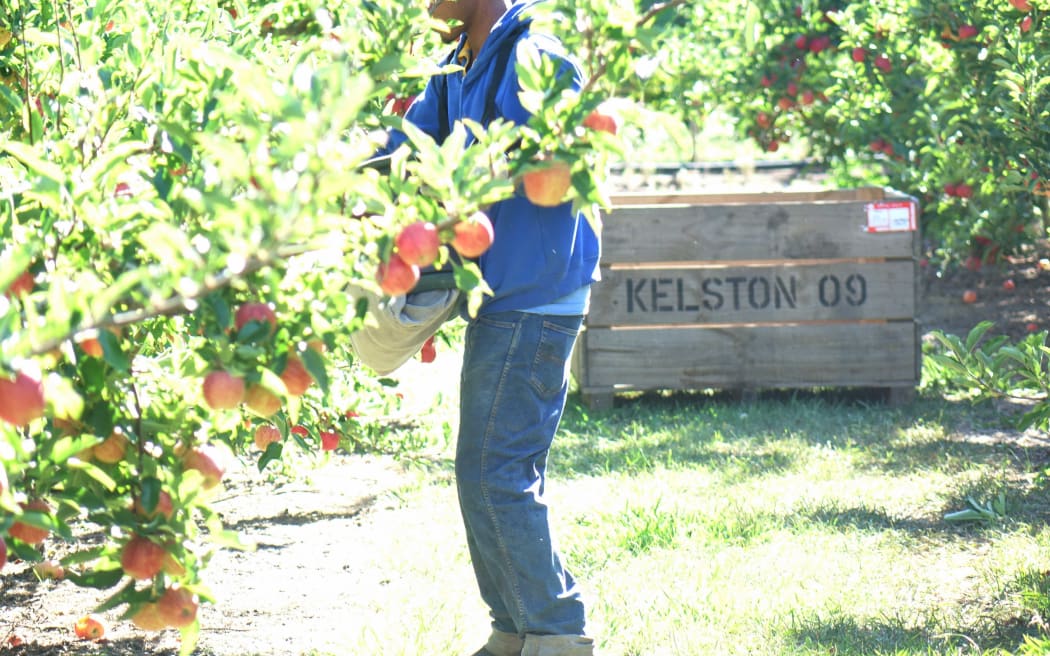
846,636
765,434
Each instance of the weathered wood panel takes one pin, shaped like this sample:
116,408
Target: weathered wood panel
838,354
750,294
684,198
771,231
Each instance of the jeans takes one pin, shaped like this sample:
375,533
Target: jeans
513,387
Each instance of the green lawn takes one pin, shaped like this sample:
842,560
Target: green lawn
793,524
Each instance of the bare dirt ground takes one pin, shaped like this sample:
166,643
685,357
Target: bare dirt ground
301,529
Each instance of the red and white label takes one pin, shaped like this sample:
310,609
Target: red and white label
891,216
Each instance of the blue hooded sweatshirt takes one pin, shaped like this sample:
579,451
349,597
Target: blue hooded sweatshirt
540,254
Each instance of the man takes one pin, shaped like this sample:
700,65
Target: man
516,355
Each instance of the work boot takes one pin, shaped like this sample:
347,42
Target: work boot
502,643
558,645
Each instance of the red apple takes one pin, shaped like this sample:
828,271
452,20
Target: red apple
255,312
859,54
112,449
49,570
969,296
819,44
142,558
1021,5
785,103
763,120
801,42
177,607
329,440
262,401
1032,327
122,190
222,390
1026,24
90,627
547,186
973,263
296,378
397,277
598,120
209,461
266,435
773,146
1009,285
164,507
967,32
418,243
883,63
300,430
473,236
21,399
963,190
91,346
148,618
427,353
20,286
950,189
25,532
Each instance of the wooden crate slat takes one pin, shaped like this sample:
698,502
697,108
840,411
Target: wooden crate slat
749,294
844,354
685,198
770,231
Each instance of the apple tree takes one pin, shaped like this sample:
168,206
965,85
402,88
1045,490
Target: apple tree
185,198
945,101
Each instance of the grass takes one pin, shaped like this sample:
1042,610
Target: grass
797,524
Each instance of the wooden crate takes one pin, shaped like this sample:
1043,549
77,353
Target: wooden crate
754,291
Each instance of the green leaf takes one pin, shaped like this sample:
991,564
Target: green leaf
149,493
977,333
273,452
112,353
98,579
188,638
67,447
27,155
315,366
95,473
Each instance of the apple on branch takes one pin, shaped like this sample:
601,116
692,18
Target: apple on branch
397,277
601,121
265,435
262,401
418,243
142,558
21,399
547,185
209,460
222,390
474,235
177,607
21,285
26,532
255,312
295,377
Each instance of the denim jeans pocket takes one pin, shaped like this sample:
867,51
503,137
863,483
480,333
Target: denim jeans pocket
550,365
